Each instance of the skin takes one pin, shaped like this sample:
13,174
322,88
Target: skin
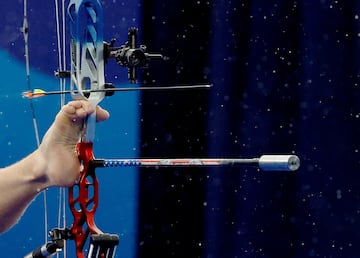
54,163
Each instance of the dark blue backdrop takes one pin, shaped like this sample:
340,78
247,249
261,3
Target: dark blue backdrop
285,80
285,76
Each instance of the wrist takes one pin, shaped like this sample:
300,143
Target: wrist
37,171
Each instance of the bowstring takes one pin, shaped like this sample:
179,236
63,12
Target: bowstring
61,50
61,43
25,31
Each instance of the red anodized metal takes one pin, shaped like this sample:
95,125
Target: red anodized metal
83,199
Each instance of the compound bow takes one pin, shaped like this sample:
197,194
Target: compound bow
89,54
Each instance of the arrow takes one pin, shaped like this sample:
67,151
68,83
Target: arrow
37,93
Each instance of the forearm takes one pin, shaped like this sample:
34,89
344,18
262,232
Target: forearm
19,185
54,163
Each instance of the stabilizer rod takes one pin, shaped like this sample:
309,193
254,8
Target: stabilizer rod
265,162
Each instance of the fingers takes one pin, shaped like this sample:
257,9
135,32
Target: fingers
101,114
78,110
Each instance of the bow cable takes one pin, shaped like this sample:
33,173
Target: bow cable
25,31
61,50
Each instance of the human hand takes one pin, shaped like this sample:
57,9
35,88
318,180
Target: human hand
58,148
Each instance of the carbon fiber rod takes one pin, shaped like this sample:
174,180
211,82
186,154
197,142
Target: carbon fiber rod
265,162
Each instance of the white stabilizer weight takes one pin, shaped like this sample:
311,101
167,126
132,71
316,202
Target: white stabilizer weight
279,162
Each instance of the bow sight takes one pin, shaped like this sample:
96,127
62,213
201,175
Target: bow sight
129,55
